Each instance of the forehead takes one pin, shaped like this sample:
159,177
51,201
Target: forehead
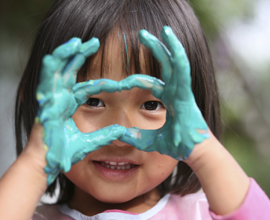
118,57
108,60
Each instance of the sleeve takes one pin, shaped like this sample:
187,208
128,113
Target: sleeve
256,206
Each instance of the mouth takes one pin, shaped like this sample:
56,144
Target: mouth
113,170
116,165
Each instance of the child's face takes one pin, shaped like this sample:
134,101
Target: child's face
119,172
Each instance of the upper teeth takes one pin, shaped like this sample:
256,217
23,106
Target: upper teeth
115,163
118,166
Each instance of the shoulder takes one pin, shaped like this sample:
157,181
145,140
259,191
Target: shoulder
194,199
49,212
193,206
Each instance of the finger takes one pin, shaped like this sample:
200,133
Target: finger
49,67
141,139
46,81
159,51
90,47
75,63
80,144
52,65
176,129
64,52
151,140
179,57
103,136
156,86
54,138
83,91
67,49
52,174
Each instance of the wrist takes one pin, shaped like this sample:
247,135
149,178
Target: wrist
34,154
220,176
26,176
199,157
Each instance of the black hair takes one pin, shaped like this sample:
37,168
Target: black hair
91,18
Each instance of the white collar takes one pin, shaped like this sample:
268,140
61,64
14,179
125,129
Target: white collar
115,215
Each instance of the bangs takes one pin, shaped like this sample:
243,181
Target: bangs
122,41
134,57
102,19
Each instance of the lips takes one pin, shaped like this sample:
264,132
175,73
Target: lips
117,165
112,170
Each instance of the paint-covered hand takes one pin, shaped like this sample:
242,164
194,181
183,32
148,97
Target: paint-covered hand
185,125
66,145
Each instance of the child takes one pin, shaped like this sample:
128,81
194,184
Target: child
123,125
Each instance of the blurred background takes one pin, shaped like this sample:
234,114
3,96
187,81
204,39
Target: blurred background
238,33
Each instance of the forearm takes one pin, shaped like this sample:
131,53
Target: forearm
24,183
223,180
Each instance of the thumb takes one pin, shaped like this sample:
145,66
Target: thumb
81,144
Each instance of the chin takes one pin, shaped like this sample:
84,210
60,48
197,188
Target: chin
115,198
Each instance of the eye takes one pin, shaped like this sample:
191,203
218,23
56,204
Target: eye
152,105
94,102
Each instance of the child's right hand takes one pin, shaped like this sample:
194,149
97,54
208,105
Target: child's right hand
57,103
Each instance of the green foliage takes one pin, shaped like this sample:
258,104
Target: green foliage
215,14
243,150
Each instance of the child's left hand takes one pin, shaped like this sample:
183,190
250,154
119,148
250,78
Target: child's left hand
185,125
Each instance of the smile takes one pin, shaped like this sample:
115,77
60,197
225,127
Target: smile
117,166
116,170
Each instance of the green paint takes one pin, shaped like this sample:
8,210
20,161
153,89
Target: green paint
59,96
83,91
57,103
127,66
125,41
185,125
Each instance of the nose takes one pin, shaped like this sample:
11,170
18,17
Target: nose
119,143
123,117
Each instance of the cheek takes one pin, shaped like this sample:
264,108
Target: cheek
159,167
151,121
81,174
86,122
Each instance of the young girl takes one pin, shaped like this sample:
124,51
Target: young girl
139,146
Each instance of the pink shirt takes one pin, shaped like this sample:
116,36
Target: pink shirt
256,206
